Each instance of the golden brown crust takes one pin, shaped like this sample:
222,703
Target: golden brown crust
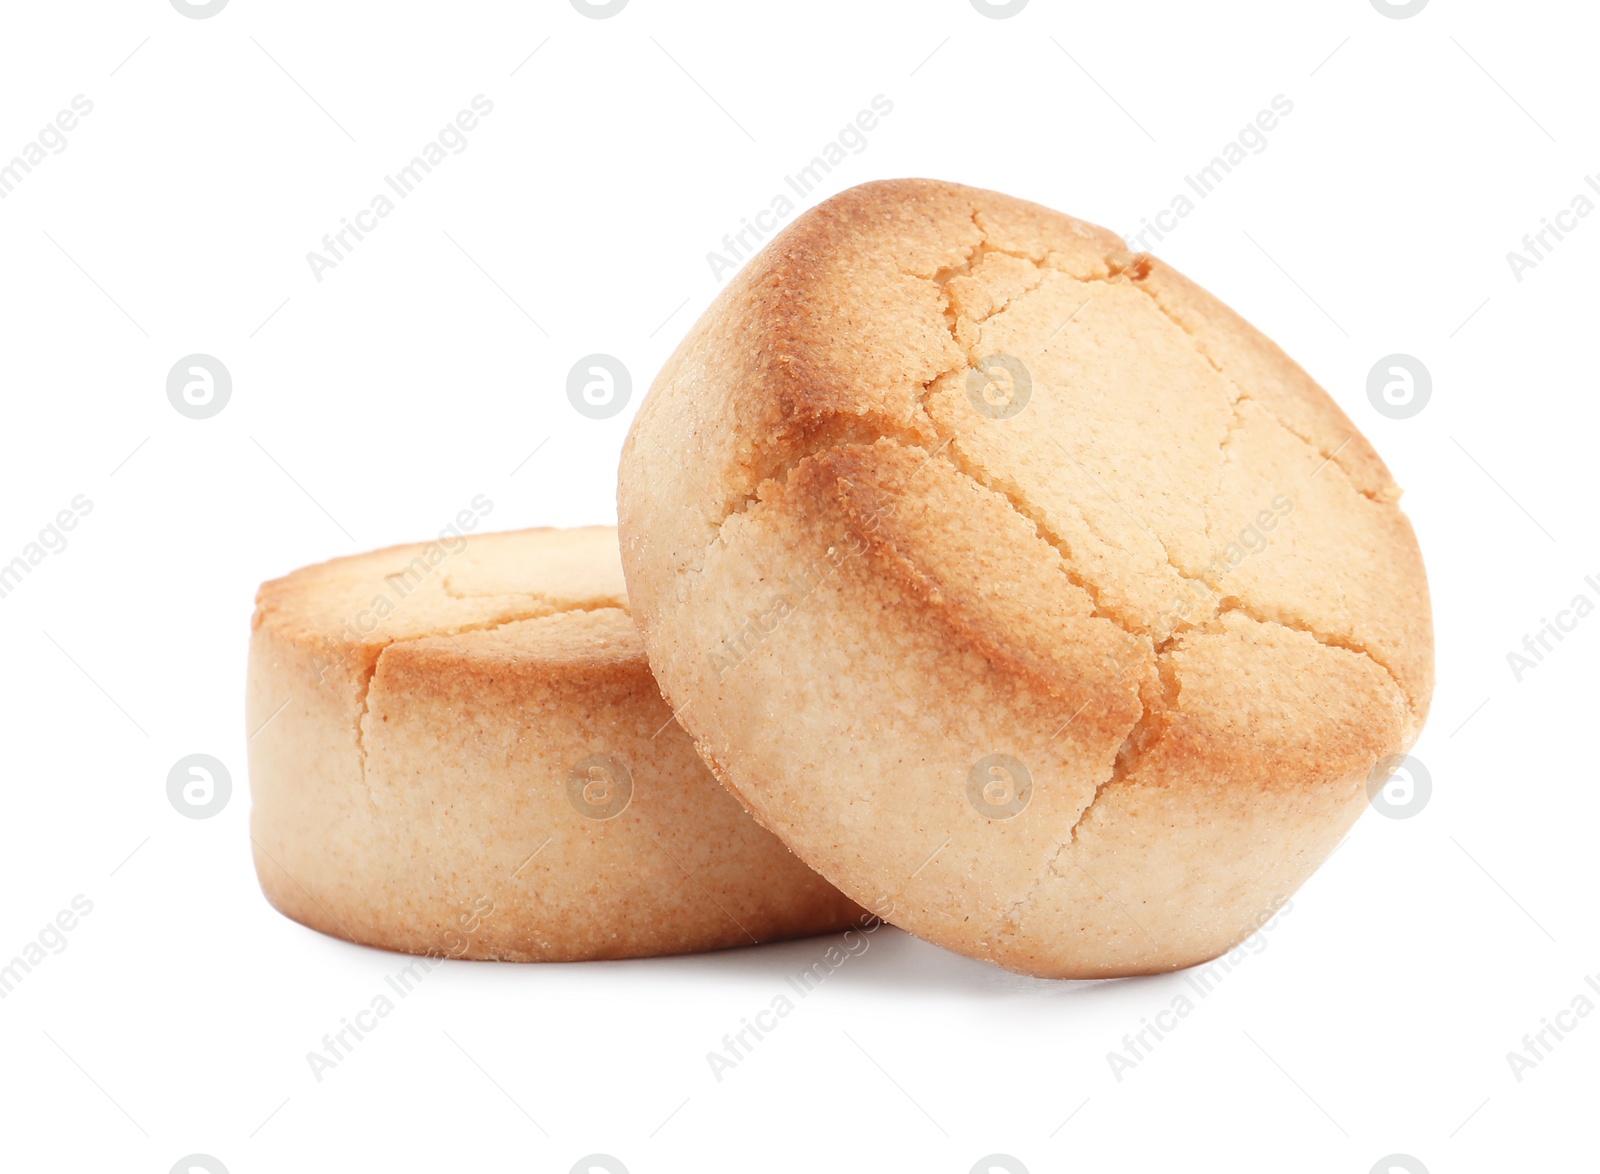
1249,359
411,771
862,577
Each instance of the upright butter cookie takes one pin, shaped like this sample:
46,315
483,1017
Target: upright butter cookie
458,749
1018,584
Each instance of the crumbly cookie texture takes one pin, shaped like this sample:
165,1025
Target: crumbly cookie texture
1020,585
458,749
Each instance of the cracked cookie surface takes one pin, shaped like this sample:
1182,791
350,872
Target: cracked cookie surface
417,717
1173,585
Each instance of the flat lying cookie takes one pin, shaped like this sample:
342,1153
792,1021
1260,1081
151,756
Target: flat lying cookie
1019,584
462,752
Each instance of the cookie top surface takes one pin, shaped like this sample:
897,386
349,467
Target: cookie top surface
544,596
910,341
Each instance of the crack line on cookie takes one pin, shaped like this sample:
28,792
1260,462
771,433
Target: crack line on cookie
1291,623
919,431
1235,428
363,696
1134,269
549,601
1116,268
1142,740
364,684
949,450
1384,496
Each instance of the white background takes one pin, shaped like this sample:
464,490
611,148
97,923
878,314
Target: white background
370,406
